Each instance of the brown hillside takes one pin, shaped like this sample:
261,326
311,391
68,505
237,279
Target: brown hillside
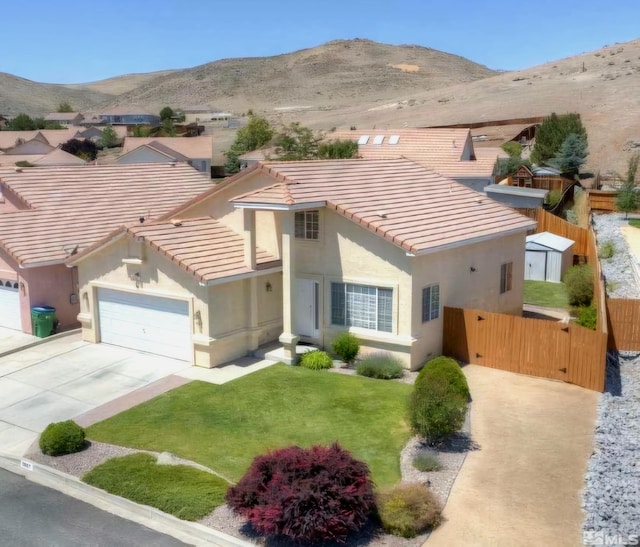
120,84
338,74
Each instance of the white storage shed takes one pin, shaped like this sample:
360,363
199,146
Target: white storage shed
547,257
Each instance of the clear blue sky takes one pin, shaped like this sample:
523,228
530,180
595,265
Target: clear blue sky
74,41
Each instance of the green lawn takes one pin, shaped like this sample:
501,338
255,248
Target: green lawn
634,222
182,491
224,427
545,293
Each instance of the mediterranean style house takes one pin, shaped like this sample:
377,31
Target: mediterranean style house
299,252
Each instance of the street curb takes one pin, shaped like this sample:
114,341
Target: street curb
41,341
188,532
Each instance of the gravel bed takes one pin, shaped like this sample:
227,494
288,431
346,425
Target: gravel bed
611,499
618,270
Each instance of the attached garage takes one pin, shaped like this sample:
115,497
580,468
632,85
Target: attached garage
146,323
9,305
547,257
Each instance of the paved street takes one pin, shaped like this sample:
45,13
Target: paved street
33,515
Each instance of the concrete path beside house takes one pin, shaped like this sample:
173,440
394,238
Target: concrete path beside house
523,484
11,340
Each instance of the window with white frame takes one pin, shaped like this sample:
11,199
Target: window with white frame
307,225
506,275
430,303
362,306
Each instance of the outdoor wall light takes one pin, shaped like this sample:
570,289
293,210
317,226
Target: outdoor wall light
268,287
473,269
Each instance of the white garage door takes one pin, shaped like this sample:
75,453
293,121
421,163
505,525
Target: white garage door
9,305
146,323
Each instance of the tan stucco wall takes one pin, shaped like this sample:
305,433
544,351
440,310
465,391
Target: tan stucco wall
459,287
220,315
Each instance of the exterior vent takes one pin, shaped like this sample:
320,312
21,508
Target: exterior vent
378,139
364,139
394,139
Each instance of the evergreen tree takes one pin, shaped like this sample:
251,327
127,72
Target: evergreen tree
166,113
628,199
109,138
572,155
553,132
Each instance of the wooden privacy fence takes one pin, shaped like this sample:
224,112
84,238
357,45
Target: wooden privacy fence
548,222
536,347
603,200
624,324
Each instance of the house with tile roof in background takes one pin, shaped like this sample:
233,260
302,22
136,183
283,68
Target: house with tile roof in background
299,252
66,119
196,151
48,214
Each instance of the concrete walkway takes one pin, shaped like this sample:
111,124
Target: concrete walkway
11,340
523,485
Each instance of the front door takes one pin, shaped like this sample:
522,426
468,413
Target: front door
306,318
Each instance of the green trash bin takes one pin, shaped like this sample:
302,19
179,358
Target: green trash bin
43,320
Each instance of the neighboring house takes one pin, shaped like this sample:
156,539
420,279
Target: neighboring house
66,119
54,137
547,257
49,214
199,114
33,147
196,151
54,158
373,247
128,115
94,133
450,152
250,159
4,120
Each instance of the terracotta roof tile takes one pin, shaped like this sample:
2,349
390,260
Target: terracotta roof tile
191,147
406,203
75,206
203,247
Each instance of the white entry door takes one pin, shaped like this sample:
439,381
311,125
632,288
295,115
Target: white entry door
305,310
535,265
146,323
10,305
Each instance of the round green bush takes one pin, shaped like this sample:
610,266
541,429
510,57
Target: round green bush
383,366
578,282
408,509
450,369
427,460
61,438
346,346
316,360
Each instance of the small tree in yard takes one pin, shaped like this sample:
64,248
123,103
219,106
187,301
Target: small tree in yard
307,495
252,136
628,200
337,150
166,113
87,150
578,282
109,138
572,155
297,142
552,133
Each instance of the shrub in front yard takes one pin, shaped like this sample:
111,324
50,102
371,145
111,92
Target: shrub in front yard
408,509
607,249
346,346
587,316
316,360
307,495
426,460
578,282
438,404
383,366
450,369
62,438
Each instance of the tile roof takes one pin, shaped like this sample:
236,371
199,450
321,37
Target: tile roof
407,204
63,116
127,110
160,148
204,247
75,206
440,149
56,157
191,147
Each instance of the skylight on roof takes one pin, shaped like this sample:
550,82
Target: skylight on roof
394,139
364,139
378,139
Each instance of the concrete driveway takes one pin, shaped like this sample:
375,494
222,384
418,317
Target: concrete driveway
66,377
523,484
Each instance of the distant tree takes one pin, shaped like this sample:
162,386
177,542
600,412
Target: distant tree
553,132
338,149
296,142
572,155
628,200
166,113
22,122
85,149
257,133
168,129
512,148
109,138
41,123
508,166
142,131
64,107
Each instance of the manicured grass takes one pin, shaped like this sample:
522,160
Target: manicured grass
182,491
225,427
635,222
545,293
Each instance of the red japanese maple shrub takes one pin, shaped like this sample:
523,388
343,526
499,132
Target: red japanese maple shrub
315,494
